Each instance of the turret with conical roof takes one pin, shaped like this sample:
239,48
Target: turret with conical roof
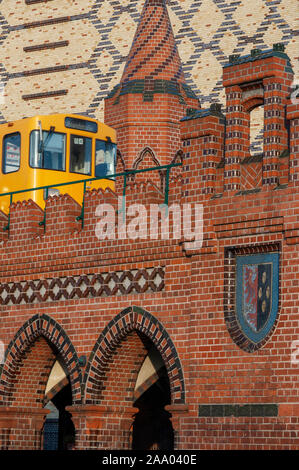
154,53
152,97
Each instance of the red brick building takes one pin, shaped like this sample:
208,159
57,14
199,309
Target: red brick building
189,347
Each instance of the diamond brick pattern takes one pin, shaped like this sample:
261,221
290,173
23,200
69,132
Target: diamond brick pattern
78,287
206,33
251,174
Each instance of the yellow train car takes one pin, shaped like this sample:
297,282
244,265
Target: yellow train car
50,150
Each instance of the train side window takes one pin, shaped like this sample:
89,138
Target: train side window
49,154
11,152
80,154
105,158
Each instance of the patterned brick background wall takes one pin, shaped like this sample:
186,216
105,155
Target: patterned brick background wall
76,50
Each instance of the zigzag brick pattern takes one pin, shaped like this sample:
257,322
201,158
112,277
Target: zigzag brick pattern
84,286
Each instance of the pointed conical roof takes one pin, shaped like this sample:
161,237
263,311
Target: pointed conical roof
153,55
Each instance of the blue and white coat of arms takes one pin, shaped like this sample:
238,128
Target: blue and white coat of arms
257,294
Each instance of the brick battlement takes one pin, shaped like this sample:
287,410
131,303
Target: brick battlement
256,66
225,216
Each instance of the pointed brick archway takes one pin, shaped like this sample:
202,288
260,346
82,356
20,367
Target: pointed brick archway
106,418
39,327
129,321
28,362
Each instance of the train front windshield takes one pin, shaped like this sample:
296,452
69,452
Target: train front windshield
52,150
49,153
105,158
80,154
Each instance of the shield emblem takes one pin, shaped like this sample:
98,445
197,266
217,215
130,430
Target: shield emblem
257,293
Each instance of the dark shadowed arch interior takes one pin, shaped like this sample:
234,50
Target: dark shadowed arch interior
59,430
152,427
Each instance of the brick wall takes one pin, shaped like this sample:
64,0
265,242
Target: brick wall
191,308
66,293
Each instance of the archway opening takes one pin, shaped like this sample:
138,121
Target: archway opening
29,361
152,427
59,430
115,379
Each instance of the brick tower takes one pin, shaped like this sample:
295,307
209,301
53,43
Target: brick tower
152,97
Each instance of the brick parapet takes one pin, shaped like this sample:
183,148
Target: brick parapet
252,68
263,78
39,253
203,143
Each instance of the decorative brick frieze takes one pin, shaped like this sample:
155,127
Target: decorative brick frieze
77,287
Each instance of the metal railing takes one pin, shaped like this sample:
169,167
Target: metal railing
124,174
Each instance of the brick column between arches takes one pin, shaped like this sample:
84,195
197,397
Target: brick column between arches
21,428
178,412
102,427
